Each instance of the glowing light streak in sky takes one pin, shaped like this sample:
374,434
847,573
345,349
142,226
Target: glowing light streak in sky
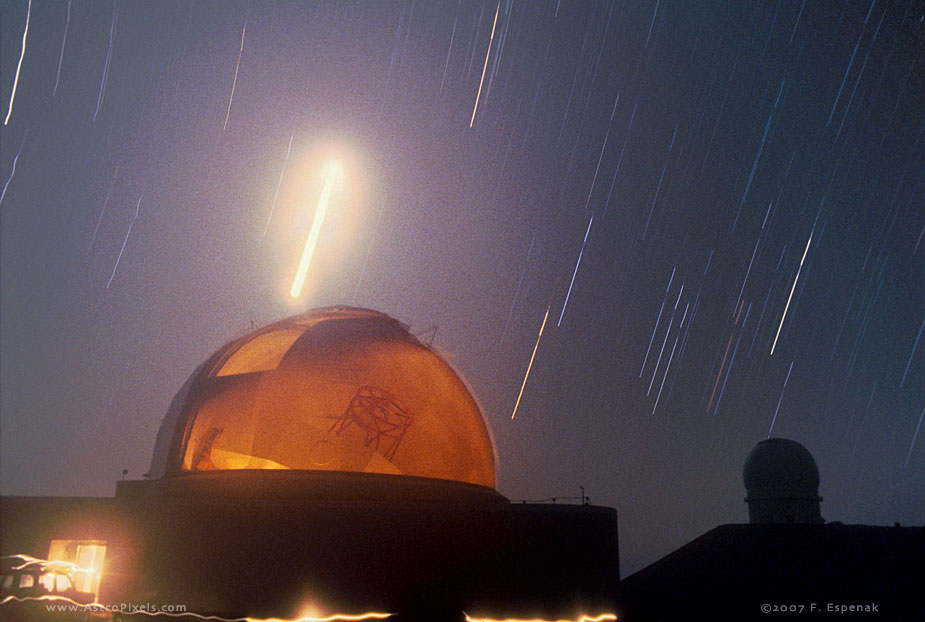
369,252
12,172
103,209
733,359
535,348
125,241
601,157
848,69
25,32
728,345
112,34
63,42
670,358
912,354
449,51
667,332
235,81
477,27
279,183
797,23
684,340
914,436
332,172
749,270
657,320
577,263
751,175
654,13
787,306
844,321
652,207
502,38
860,75
616,171
774,419
517,293
485,66
918,241
600,53
761,317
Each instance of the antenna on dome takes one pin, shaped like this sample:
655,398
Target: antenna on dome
428,335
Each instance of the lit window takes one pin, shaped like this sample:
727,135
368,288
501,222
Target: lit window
47,581
88,555
26,580
7,581
262,353
62,584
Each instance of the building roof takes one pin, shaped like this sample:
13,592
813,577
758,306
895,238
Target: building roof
730,572
334,389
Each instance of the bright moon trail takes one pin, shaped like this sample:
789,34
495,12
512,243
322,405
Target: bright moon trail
331,173
533,356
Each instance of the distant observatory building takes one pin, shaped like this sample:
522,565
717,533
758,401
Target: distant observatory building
786,563
327,463
782,481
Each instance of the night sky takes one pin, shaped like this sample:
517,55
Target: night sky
683,185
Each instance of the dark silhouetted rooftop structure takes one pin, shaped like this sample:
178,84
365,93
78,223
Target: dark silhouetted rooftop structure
786,563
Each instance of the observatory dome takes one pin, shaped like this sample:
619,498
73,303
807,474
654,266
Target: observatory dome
782,483
779,465
337,389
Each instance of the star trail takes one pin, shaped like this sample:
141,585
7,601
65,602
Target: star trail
726,199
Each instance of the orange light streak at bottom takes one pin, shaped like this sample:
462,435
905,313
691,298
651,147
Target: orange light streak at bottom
74,606
332,618
584,618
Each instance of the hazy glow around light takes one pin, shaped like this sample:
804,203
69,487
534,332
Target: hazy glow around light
337,617
74,605
332,172
584,618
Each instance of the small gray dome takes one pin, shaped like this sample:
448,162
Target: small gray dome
779,467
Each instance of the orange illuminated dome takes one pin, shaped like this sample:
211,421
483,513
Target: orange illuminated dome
337,389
